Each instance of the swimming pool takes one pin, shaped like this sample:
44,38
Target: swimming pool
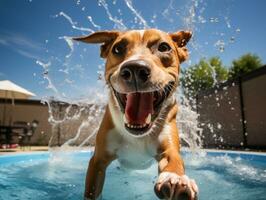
43,176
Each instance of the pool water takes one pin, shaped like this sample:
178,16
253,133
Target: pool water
223,176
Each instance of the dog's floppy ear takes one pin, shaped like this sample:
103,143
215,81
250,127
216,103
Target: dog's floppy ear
181,38
106,38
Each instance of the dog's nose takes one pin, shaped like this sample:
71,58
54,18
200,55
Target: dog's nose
135,70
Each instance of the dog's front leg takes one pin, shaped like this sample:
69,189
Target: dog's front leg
99,161
95,177
172,183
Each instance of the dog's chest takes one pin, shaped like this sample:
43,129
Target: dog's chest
136,155
133,153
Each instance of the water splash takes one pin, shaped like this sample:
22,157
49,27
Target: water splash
118,22
187,120
93,23
166,12
74,24
45,67
70,44
141,19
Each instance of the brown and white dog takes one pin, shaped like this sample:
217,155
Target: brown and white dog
142,69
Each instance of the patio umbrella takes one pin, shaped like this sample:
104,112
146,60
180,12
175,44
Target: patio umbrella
9,90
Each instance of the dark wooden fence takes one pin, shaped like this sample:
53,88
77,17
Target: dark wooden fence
233,114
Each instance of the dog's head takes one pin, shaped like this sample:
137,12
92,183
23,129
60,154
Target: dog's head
142,68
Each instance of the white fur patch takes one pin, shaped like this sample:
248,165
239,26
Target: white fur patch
166,133
138,55
117,115
132,153
136,153
141,32
165,176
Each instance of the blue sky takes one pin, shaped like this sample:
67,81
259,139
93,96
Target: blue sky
32,34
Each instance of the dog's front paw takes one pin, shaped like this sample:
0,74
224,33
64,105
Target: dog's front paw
173,187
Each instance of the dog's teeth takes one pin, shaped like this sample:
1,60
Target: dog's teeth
125,119
136,126
148,119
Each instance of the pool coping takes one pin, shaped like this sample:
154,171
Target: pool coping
236,152
90,149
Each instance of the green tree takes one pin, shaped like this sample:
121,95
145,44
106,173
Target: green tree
203,75
244,64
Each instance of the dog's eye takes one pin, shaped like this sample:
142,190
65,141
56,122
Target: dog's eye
164,47
119,49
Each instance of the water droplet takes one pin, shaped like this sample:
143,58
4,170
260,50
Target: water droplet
232,39
214,20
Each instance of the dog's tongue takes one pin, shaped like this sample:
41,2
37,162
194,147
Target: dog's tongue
138,107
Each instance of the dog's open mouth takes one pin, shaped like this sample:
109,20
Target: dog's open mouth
141,108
